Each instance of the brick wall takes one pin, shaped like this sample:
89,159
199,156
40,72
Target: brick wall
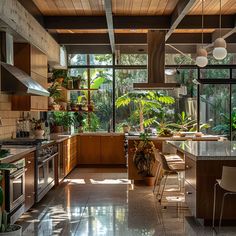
8,117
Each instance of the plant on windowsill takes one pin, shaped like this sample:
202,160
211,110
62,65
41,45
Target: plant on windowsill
144,158
5,228
61,121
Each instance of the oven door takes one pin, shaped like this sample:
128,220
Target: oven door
42,176
17,188
51,167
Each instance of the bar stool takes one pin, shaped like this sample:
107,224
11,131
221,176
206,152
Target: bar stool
227,183
168,169
171,160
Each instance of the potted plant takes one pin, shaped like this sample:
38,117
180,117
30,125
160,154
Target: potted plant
37,127
79,121
164,129
144,158
61,121
55,93
126,128
5,228
67,121
59,75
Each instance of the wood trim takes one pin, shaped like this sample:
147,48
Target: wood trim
137,22
180,11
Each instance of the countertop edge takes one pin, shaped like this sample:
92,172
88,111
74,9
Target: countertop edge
18,156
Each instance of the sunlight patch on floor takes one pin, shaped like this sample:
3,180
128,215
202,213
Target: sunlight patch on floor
110,181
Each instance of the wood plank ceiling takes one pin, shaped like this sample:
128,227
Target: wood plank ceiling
129,7
135,8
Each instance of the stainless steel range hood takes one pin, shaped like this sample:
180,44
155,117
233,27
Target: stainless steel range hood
14,80
156,63
17,81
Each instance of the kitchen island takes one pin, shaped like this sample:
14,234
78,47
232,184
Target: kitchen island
204,161
162,145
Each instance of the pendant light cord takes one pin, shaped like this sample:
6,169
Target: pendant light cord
202,21
220,19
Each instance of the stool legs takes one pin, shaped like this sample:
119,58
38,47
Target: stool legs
214,206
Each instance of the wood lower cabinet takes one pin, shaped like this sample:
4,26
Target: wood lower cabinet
102,149
112,150
90,146
29,180
70,154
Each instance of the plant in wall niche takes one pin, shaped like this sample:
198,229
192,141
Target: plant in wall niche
5,228
145,104
144,158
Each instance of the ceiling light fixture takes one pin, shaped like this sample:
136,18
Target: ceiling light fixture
219,51
201,59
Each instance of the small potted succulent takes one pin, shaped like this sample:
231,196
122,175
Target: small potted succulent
38,128
5,228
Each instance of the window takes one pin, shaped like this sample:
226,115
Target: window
214,108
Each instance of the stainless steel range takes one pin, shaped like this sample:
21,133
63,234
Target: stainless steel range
46,154
15,191
45,169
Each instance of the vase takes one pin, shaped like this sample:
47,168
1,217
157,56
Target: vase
38,133
50,100
16,230
149,180
58,129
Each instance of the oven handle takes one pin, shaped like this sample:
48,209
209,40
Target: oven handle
17,173
51,157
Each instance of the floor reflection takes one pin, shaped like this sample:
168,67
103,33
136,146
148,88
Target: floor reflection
108,206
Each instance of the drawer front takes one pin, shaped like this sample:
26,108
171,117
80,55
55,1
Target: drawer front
190,171
190,198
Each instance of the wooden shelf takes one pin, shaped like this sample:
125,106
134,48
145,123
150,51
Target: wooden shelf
81,89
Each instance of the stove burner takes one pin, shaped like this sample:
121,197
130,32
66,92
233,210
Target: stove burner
24,142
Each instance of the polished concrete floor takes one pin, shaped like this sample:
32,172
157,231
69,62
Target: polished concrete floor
103,202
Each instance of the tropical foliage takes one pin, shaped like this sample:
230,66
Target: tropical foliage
145,103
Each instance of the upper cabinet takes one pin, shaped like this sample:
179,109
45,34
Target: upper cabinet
32,61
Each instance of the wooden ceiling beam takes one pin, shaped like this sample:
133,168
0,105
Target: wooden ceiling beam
181,10
33,10
128,38
136,22
109,19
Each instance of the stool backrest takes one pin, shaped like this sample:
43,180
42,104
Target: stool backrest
161,159
228,180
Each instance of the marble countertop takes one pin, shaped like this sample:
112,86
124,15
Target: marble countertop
16,153
207,150
178,138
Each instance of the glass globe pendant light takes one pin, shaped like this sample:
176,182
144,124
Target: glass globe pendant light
201,59
219,51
